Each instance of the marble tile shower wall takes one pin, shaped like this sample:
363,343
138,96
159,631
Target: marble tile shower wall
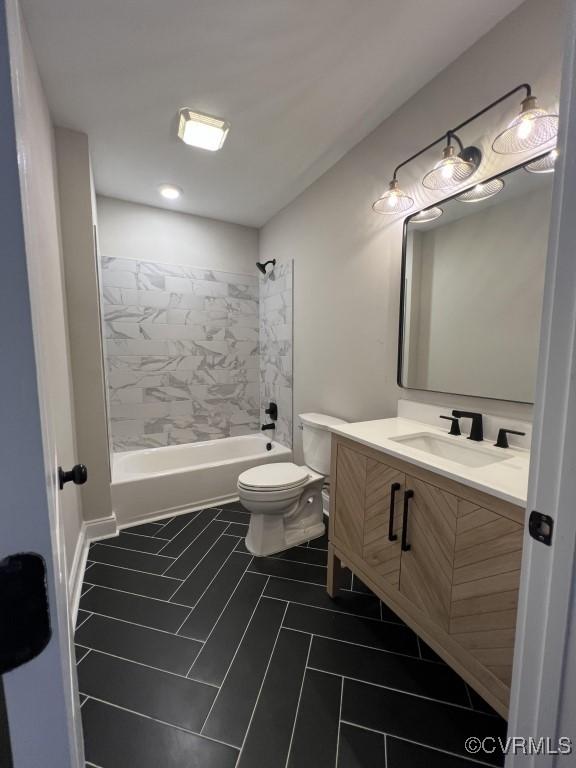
276,301
181,351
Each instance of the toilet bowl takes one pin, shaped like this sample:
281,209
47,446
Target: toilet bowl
284,499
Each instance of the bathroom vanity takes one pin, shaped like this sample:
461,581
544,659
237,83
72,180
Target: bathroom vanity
434,525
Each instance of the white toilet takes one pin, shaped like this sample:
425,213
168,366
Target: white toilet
286,500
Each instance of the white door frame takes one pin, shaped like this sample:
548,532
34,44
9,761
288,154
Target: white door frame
544,674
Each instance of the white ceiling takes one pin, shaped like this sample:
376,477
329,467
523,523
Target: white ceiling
301,81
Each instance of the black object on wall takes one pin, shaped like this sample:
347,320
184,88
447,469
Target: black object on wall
5,749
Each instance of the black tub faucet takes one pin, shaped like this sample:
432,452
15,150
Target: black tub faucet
268,426
477,428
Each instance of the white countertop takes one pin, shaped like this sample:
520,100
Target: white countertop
507,479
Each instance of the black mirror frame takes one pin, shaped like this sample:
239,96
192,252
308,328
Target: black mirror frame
403,283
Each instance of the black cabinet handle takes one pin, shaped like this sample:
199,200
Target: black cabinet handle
78,475
391,535
407,496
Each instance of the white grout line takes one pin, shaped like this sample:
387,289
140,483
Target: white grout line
351,642
103,543
136,594
234,657
201,559
418,744
340,723
184,622
134,570
83,656
183,529
298,581
227,601
83,620
147,626
128,532
385,744
396,690
216,575
147,666
162,722
298,703
255,707
333,610
127,568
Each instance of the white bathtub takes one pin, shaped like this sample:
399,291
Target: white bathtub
158,481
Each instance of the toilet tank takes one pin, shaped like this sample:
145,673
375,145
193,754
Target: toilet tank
317,439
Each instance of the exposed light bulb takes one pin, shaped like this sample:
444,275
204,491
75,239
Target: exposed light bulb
525,127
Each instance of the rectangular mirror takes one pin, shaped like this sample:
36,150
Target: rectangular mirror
472,287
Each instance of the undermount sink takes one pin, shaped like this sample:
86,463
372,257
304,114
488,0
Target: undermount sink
454,449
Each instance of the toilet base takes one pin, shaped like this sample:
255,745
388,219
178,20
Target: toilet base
269,534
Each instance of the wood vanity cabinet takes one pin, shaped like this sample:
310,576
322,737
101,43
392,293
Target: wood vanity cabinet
452,572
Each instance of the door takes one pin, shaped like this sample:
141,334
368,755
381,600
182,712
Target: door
428,539
37,424
383,522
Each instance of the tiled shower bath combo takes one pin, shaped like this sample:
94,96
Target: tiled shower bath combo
182,347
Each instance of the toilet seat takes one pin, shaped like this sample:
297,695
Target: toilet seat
271,478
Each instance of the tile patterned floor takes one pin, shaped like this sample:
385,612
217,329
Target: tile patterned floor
193,654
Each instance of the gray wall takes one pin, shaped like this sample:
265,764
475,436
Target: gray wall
347,259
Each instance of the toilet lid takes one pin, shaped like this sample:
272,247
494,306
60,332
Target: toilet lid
274,477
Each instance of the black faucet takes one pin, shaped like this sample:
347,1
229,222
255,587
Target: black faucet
477,428
268,426
455,426
502,441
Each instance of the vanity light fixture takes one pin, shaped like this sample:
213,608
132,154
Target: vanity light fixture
394,200
453,169
204,131
481,191
169,191
543,164
532,128
428,214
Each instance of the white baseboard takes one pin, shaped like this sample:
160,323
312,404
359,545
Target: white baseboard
175,511
102,528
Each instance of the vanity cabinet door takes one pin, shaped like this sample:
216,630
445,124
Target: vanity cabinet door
349,499
383,522
430,534
485,588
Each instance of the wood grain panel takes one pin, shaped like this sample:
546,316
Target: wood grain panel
350,494
426,570
381,554
478,605
484,639
484,621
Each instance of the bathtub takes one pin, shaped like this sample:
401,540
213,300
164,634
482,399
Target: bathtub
155,482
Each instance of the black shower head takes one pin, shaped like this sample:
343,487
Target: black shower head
262,267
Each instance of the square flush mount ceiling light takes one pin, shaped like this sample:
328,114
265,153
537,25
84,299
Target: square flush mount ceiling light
204,131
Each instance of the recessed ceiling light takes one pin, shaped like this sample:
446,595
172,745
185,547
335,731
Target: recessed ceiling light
169,191
204,131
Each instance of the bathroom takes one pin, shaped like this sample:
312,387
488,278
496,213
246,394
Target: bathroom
301,466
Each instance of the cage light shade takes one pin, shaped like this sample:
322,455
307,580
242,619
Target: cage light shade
532,128
450,171
543,164
204,131
428,214
481,191
394,200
